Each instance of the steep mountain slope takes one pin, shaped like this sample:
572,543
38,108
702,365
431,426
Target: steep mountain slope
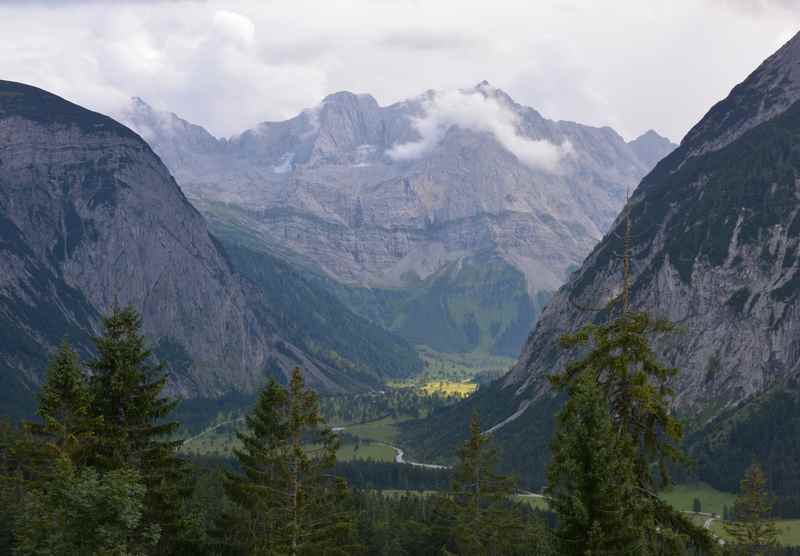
716,232
90,217
398,202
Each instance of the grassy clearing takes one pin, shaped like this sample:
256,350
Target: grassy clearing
382,430
681,497
448,388
790,531
221,446
375,452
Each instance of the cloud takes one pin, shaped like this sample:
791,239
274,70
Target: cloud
228,65
478,110
59,3
430,39
234,26
759,7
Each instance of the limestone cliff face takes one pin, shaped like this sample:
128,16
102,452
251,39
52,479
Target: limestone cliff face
716,230
90,217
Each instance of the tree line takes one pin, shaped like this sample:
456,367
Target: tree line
99,472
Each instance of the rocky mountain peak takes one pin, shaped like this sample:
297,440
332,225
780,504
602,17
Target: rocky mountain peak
343,98
344,121
19,100
651,147
183,140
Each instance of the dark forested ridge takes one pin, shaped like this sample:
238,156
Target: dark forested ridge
767,430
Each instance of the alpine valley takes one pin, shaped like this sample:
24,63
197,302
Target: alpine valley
454,238
399,325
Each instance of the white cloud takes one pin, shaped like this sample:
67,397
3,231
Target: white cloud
235,26
476,111
229,64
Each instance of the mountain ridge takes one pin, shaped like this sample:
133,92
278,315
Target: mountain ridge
389,197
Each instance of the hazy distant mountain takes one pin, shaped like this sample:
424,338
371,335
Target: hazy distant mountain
90,217
650,147
716,231
448,217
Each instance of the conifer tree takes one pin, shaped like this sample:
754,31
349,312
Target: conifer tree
752,530
592,480
487,521
286,500
65,408
11,482
618,360
127,396
84,513
636,386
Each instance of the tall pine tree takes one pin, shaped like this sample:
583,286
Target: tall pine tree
592,480
127,395
487,520
618,360
287,501
65,408
752,529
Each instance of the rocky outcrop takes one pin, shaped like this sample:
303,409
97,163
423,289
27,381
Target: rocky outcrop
90,218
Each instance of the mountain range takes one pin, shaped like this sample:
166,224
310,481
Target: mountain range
448,218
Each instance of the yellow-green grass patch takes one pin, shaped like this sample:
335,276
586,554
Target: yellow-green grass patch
449,388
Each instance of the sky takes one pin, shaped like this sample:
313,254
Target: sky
632,65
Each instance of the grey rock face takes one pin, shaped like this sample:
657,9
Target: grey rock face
716,235
90,217
377,196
